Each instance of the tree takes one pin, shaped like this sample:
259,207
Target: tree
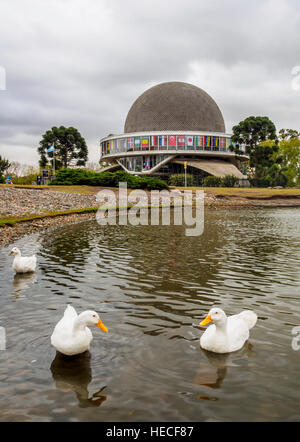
17,169
270,164
251,133
4,165
289,152
69,145
263,157
288,134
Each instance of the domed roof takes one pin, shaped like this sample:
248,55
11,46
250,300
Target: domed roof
174,106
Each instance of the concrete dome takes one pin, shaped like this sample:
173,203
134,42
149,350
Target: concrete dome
174,106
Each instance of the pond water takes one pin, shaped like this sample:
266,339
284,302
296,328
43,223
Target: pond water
151,287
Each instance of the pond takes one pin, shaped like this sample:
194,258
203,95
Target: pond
151,286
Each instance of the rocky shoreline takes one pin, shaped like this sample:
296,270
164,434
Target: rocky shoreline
17,203
9,234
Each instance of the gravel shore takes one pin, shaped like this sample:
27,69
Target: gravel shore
16,202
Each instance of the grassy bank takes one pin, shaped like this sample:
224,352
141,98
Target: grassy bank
12,221
248,193
216,191
83,190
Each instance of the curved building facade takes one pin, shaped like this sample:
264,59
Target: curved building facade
167,126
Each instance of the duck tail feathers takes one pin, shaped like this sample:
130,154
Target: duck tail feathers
249,317
70,311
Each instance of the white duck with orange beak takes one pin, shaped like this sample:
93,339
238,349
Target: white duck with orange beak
226,334
71,336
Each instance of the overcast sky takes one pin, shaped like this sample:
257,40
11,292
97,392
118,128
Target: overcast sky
82,63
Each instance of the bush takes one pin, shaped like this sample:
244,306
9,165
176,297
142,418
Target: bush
259,182
72,176
212,181
156,184
229,181
105,179
2,179
76,177
281,180
179,180
28,179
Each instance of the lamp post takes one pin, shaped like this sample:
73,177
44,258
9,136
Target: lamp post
54,159
185,178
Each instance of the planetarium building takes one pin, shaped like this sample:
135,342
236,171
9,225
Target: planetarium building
171,125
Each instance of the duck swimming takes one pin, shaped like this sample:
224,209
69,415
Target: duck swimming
71,336
23,264
226,334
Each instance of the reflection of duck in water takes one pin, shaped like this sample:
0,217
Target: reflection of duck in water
213,374
74,373
23,281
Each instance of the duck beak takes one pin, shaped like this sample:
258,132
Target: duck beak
11,253
206,321
102,326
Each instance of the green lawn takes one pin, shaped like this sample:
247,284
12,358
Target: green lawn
11,221
85,190
255,193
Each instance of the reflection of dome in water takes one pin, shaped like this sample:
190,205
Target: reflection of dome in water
174,106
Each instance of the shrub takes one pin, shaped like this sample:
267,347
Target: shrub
75,177
28,179
281,180
229,181
212,181
259,182
105,179
2,179
156,184
179,180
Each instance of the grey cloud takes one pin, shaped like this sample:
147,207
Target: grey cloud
84,62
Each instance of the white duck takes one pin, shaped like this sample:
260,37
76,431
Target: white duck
23,264
71,336
227,334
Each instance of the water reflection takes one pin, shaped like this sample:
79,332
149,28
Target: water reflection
23,281
213,374
229,359
74,373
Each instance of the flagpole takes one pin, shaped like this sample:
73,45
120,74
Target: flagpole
54,159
